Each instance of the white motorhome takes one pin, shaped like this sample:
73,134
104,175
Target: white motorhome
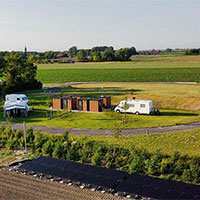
16,98
135,106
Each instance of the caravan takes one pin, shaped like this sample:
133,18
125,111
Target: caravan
135,106
16,105
16,98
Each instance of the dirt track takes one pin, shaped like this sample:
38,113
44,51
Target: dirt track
16,186
140,131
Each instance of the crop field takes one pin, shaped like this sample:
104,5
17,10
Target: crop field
22,187
143,69
155,61
119,75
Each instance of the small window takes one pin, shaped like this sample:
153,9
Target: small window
18,99
132,105
142,105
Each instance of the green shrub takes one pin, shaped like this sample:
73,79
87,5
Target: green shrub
153,165
48,147
11,144
176,167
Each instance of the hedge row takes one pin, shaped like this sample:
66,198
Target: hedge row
85,150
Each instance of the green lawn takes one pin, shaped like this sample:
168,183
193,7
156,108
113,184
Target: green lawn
185,142
166,96
109,120
171,98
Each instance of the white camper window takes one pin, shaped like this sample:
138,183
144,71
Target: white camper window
132,105
18,99
142,105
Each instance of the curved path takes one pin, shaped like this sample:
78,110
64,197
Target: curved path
108,132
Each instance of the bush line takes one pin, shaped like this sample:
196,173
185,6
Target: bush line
85,150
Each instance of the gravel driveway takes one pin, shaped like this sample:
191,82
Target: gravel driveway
108,132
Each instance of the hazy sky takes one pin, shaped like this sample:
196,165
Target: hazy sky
59,24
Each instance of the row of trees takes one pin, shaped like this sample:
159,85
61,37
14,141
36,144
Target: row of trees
95,54
18,75
99,54
35,57
83,149
192,52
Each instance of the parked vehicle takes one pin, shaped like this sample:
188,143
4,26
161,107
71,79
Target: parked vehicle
136,107
16,97
16,105
16,109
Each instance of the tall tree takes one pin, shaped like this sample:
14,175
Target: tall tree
81,55
19,75
72,51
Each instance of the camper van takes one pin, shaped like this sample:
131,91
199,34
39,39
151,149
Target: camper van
135,106
16,97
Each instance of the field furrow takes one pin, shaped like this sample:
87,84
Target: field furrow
18,186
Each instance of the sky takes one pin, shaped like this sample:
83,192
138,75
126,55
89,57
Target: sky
59,24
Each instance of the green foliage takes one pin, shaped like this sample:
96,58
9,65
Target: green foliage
72,51
116,130
49,102
153,164
97,157
39,140
124,54
137,164
11,143
48,147
84,149
58,151
81,56
19,75
125,107
192,52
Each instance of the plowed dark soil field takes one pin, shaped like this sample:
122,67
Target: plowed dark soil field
17,186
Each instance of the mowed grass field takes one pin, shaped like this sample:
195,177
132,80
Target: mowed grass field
108,120
166,96
184,142
179,104
143,69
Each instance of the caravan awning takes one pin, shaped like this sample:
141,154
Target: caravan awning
15,105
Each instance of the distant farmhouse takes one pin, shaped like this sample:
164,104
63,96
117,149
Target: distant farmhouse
149,52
